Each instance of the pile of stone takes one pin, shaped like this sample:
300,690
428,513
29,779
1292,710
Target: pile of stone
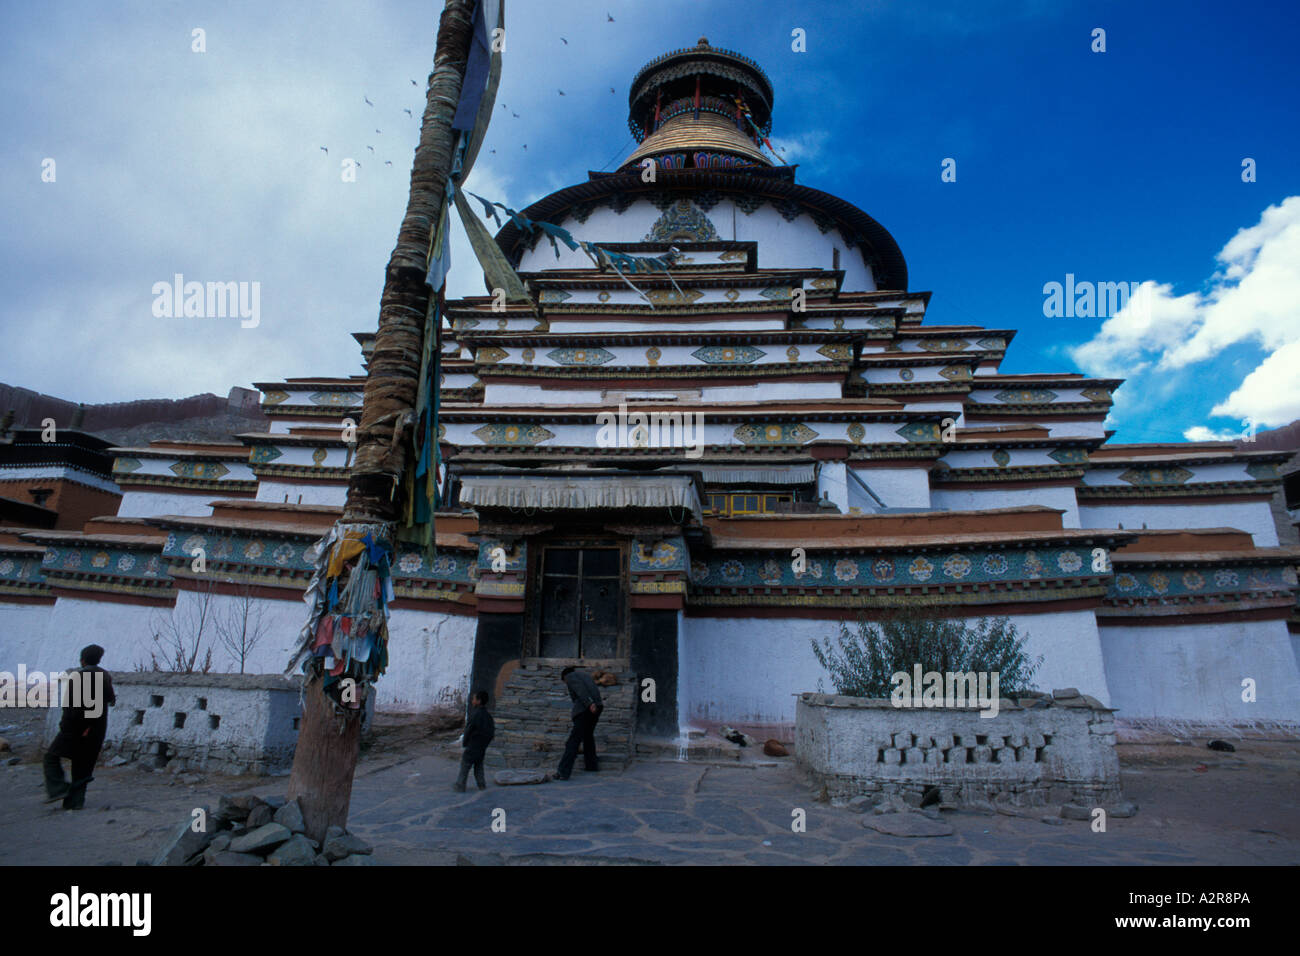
258,831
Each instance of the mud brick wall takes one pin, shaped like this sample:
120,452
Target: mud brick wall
1056,750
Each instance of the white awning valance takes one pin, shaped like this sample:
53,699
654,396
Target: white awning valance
775,475
564,493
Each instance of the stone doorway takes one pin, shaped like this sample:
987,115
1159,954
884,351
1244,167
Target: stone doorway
581,597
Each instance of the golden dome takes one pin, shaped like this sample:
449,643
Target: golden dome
686,134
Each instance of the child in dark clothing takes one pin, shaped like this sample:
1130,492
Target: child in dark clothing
479,731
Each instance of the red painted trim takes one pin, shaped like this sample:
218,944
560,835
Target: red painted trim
112,597
851,614
1196,617
26,599
490,605
1089,501
434,606
651,602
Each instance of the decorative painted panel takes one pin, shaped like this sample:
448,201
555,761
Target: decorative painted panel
1263,470
1171,582
919,431
199,469
992,343
501,433
668,554
1026,396
516,555
955,373
673,297
126,465
1069,456
728,354
263,453
942,345
775,434
682,221
1156,476
337,399
777,293
1096,394
580,356
863,569
554,295
490,354
837,351
274,397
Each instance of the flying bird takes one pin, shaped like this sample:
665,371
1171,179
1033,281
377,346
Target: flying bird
564,41
413,83
371,148
388,162
491,150
608,17
367,99
611,89
525,145
408,113
561,92
325,151
514,114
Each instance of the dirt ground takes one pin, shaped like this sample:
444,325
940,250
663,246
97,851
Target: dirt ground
1197,805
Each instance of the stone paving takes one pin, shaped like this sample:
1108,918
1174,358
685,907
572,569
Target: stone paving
675,813
1197,807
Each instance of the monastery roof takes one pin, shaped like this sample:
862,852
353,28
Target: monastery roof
198,451
1204,453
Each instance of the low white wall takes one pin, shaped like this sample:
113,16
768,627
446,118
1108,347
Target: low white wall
231,723
1194,671
854,745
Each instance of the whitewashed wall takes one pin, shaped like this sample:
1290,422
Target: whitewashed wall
147,504
747,670
1194,671
975,499
429,659
312,494
22,629
781,244
1253,517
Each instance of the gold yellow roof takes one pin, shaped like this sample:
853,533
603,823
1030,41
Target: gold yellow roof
685,133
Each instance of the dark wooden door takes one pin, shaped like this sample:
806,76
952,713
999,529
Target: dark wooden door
581,601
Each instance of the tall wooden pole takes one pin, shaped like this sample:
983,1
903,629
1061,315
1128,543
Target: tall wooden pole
326,757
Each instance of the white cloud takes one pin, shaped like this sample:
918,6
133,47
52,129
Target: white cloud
1249,300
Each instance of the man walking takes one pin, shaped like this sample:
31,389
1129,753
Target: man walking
587,706
81,731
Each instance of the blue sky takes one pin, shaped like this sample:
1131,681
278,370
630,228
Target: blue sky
1122,166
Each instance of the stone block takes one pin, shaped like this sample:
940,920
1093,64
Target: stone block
1073,811
264,839
982,754
290,816
893,757
296,851
1065,693
902,741
183,845
915,756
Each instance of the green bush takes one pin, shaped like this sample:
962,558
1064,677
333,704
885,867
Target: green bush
861,664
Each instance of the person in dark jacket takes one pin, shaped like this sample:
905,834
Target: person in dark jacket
81,731
479,731
587,706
